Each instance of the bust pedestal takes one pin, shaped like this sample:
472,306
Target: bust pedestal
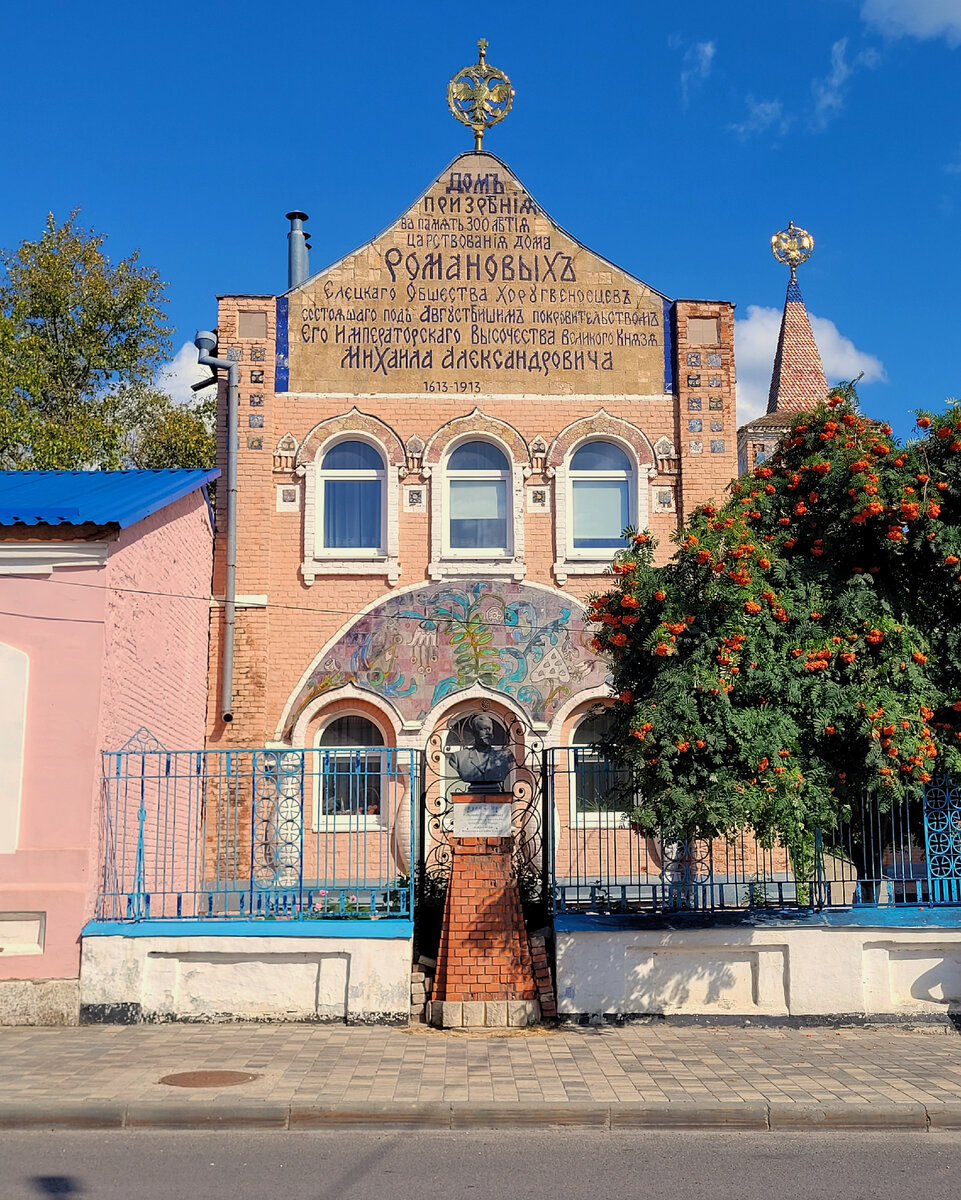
484,974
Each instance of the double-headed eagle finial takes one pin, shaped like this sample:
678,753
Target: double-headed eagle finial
480,96
792,246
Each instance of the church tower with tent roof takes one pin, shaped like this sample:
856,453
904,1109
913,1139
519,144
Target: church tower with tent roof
797,381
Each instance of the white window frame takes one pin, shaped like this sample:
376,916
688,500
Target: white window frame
344,822
593,560
614,819
322,560
446,560
334,475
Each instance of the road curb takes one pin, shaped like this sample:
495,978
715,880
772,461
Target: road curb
687,1114
463,1115
785,1118
64,1114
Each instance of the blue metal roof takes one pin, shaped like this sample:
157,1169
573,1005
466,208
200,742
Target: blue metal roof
95,497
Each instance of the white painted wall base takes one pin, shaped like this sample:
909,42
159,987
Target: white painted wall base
771,972
39,1001
193,978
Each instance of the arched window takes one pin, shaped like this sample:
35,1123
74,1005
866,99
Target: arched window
596,778
478,500
349,775
350,496
602,500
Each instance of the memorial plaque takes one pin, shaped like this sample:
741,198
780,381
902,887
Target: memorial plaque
482,819
475,290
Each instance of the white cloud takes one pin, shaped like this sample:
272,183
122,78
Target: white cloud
183,371
761,116
829,92
755,343
916,18
697,66
954,168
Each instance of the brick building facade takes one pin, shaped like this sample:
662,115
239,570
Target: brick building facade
441,437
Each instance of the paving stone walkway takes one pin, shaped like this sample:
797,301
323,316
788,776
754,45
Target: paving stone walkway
336,1065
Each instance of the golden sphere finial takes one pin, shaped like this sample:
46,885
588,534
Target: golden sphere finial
792,246
480,95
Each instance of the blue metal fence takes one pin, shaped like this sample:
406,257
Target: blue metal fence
877,859
261,833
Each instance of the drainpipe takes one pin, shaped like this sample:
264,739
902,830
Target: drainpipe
205,343
298,263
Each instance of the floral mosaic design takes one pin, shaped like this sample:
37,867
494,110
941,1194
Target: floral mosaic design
422,646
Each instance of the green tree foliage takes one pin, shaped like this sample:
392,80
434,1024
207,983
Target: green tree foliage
803,647
81,339
168,434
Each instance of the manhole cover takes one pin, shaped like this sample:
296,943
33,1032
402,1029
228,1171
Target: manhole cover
200,1079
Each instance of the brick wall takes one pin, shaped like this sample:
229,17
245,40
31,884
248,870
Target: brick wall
156,628
274,645
484,952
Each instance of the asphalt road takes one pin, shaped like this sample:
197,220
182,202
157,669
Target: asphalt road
416,1165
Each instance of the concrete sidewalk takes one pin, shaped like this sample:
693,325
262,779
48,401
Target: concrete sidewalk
316,1076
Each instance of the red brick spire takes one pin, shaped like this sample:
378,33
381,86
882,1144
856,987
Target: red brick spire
797,382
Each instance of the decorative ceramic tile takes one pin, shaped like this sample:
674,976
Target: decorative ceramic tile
717,447
716,404
714,360
717,427
256,399
694,426
664,499
693,381
255,420
258,354
415,498
538,499
694,360
256,377
234,354
255,443
696,447
694,403
288,498
715,381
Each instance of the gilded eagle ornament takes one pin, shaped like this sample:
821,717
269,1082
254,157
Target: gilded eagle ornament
480,95
792,246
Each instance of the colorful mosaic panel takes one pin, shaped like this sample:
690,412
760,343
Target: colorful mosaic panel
417,648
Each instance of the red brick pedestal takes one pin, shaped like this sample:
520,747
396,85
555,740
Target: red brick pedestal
485,975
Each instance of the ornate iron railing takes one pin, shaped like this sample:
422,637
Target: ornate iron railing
877,859
267,833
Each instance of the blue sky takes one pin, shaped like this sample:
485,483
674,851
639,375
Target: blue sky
672,139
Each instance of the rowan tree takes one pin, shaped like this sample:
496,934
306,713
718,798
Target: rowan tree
803,647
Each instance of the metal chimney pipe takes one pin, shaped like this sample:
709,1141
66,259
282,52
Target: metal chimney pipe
298,263
205,342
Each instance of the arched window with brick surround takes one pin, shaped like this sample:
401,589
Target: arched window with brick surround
349,773
602,491
350,500
478,501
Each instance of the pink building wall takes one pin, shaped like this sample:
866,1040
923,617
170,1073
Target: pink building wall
107,656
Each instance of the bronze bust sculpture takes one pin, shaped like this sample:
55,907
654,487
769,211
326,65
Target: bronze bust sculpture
483,766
